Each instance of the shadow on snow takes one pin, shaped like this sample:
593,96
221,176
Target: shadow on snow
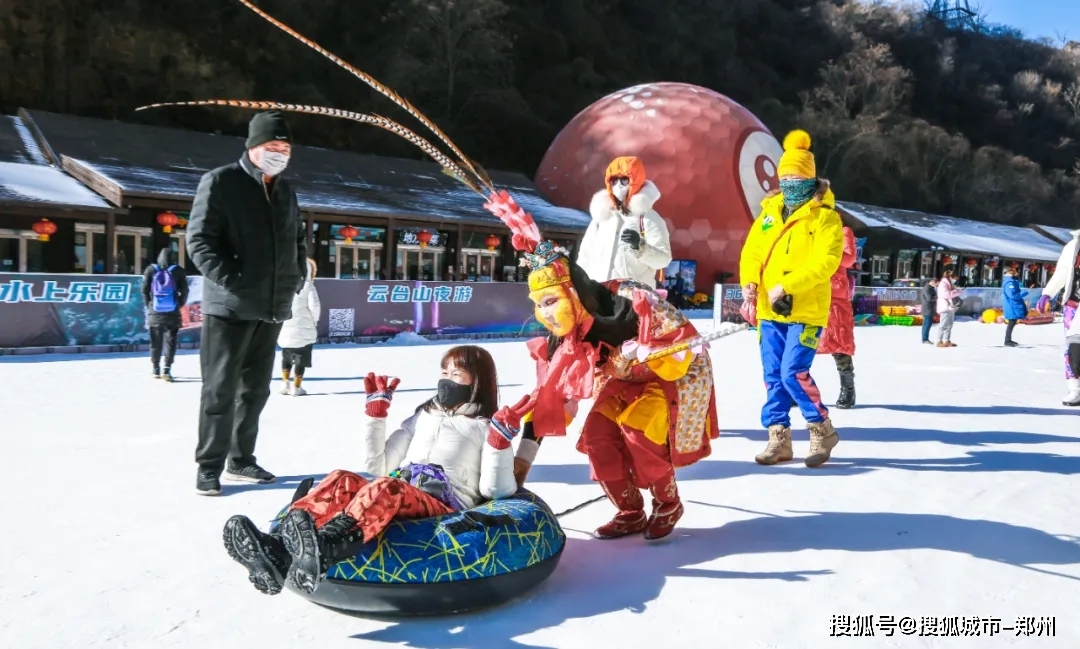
593,578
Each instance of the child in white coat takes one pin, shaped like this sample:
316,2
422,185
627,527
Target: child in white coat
453,453
298,335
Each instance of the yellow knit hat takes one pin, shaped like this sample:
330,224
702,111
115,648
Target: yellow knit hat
797,159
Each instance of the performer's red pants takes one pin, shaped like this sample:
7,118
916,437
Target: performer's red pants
618,451
373,504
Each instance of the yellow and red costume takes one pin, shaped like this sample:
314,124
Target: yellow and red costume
648,417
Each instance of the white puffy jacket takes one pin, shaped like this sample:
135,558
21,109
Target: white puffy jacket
604,258
454,440
1063,277
302,328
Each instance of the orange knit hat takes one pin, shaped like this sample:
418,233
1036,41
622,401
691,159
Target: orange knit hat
630,167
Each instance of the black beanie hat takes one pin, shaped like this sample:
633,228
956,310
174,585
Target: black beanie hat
267,126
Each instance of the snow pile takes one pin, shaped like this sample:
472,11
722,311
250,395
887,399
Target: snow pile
407,339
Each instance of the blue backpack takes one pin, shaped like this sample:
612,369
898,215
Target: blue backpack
163,290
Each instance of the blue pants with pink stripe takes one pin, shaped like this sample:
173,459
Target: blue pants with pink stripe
787,351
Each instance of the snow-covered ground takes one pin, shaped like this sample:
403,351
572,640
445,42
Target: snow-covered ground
954,492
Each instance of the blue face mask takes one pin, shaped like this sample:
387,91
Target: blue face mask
797,191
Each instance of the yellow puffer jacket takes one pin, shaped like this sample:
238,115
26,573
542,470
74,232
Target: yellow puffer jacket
803,260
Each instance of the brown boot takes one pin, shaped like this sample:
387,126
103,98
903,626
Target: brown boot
667,508
631,517
779,448
521,471
823,438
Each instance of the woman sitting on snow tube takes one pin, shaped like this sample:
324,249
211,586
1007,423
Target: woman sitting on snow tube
451,454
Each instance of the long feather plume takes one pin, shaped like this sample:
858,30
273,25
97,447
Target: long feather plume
449,167
464,161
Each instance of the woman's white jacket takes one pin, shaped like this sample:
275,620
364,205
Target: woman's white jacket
452,439
302,328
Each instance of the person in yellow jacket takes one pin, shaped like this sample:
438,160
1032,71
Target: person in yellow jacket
790,254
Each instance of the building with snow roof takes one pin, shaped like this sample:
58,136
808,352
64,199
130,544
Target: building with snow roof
138,172
902,245
32,189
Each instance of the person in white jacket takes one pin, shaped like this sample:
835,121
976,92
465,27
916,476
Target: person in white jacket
298,335
627,239
452,454
1066,281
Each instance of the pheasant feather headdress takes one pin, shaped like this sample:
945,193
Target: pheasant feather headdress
526,235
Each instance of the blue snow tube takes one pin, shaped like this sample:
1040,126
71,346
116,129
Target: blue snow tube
448,564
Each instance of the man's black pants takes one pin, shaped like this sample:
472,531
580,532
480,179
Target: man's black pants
237,360
163,342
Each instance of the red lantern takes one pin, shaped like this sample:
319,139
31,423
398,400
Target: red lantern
492,242
1033,268
348,232
993,264
946,260
1050,268
424,237
44,228
971,263
166,220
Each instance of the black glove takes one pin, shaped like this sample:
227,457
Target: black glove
632,238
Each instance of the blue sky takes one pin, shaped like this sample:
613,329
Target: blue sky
1035,17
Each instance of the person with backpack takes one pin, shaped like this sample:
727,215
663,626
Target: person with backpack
165,291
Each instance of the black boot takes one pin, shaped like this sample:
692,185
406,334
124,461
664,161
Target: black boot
847,391
157,371
314,551
262,554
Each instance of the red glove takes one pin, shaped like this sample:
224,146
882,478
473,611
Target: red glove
506,424
380,390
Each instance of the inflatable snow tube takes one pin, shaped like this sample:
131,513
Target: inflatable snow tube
448,564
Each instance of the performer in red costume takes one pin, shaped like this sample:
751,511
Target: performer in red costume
648,417
838,338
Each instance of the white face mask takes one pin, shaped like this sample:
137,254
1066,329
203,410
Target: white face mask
272,163
620,191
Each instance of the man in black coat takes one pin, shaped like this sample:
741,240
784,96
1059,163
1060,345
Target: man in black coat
928,298
247,239
163,300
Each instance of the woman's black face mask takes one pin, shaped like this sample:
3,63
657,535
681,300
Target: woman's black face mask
452,394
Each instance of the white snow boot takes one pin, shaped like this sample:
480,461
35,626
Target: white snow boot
286,387
299,391
1073,398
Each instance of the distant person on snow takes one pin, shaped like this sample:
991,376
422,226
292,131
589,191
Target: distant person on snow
838,338
298,335
164,291
792,250
450,455
948,301
1066,282
928,301
1013,304
247,239
627,239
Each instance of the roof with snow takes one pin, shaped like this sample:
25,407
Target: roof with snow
955,234
26,176
142,161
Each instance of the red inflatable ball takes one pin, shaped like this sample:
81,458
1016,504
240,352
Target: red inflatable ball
712,160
